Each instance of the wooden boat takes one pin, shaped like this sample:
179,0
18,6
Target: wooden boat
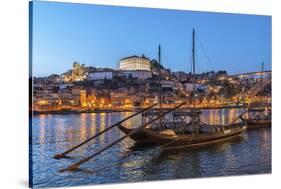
258,121
140,137
182,135
192,140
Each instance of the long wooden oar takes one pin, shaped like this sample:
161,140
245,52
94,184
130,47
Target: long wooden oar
229,123
75,166
238,117
62,155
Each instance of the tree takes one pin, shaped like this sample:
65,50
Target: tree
154,64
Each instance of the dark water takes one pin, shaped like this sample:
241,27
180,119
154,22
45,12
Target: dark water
52,134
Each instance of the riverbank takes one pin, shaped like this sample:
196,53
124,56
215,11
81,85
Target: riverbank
81,111
236,106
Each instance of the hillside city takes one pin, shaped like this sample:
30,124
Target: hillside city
137,83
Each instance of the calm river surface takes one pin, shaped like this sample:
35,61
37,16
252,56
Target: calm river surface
52,134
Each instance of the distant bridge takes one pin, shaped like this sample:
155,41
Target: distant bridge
249,75
258,87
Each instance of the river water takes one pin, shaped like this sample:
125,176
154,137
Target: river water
52,134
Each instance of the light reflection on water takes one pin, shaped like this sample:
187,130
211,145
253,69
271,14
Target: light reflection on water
54,134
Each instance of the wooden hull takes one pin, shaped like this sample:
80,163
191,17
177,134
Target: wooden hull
251,123
198,140
140,137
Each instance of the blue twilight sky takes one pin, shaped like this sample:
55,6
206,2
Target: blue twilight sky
101,35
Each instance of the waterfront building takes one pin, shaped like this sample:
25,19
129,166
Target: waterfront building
79,97
103,102
65,97
135,100
91,100
45,100
135,63
83,98
118,97
151,99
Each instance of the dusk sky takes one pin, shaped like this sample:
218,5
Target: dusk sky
100,36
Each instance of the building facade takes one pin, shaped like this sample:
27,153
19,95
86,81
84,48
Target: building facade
135,63
139,74
78,72
100,75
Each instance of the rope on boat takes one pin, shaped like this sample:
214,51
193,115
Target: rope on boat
75,166
62,155
240,116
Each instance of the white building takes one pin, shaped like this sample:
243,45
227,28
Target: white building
100,75
135,63
139,74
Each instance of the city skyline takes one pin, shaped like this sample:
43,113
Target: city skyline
100,36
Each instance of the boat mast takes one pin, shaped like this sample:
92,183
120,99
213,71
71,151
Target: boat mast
193,66
159,82
193,113
262,69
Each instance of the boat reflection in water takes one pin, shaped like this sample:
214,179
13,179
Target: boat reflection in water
52,134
